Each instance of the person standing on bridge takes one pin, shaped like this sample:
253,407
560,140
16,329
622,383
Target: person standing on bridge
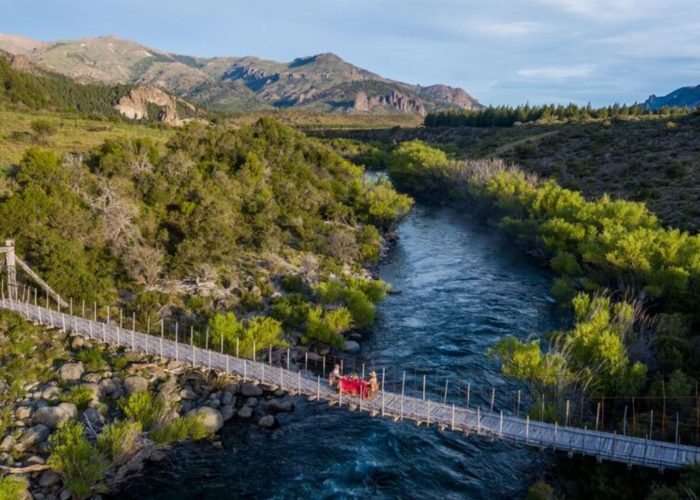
334,375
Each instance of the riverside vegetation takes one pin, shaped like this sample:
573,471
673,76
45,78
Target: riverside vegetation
260,234
631,283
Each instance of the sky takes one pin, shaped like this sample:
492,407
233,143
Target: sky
500,51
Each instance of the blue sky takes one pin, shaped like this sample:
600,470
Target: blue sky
501,51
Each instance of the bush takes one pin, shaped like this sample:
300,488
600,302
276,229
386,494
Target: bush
291,310
12,487
360,307
80,396
144,408
189,427
79,464
327,327
119,440
260,333
43,129
92,358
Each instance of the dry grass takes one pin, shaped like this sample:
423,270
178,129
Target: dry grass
73,134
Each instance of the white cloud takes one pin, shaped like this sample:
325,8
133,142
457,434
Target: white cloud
509,29
558,72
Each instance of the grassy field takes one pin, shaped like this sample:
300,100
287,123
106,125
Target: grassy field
651,160
73,134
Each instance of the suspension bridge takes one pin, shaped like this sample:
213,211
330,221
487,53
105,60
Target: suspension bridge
602,445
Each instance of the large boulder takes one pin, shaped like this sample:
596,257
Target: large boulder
245,412
48,479
188,394
33,436
249,389
71,372
351,346
276,406
267,422
52,416
7,443
108,386
135,384
210,417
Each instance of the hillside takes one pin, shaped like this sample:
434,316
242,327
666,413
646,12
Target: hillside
688,97
654,159
236,84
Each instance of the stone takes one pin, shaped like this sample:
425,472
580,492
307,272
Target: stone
77,343
232,388
248,389
211,418
23,412
351,346
157,456
71,372
227,412
33,436
313,358
34,460
107,386
50,393
70,409
213,403
324,350
227,398
217,445
276,406
245,412
51,416
188,394
65,494
252,402
93,418
135,384
48,479
92,378
133,356
7,443
279,393
267,422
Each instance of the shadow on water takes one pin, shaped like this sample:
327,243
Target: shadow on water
463,287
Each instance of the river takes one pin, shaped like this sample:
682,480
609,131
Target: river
462,287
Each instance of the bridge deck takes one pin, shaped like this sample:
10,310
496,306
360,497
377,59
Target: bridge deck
603,445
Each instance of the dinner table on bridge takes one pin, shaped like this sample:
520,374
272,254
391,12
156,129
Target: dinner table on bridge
353,385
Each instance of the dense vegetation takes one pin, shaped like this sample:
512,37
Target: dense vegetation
617,266
44,90
225,214
507,116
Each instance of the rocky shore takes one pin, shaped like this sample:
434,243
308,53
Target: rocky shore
46,405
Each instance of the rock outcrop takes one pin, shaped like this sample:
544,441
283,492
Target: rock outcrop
135,105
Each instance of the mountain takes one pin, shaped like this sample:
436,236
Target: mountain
685,97
24,84
323,82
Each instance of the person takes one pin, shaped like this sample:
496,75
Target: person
334,376
373,384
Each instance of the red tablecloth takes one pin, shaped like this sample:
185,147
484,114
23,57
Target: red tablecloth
355,387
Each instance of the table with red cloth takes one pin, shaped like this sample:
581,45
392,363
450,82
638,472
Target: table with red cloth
355,387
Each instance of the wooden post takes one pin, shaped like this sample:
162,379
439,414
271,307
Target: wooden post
288,358
10,264
299,382
403,387
109,310
517,413
318,389
469,388
453,417
121,317
177,342
324,367
104,334
423,387
478,419
567,414
493,397
162,334
383,394
253,351
94,314
651,424
428,412
222,344
192,343
624,422
597,415
306,361
238,341
269,356
444,401
71,306
527,429
500,426
677,440
148,332
245,369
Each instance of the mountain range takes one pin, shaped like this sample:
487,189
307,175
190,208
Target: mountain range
684,97
323,82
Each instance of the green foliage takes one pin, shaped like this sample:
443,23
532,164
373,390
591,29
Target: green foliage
291,310
79,464
541,491
506,116
187,428
92,358
360,306
145,409
260,333
119,440
43,129
12,488
327,327
80,396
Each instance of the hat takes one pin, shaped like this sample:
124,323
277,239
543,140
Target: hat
372,373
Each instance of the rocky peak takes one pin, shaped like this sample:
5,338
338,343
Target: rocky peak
135,105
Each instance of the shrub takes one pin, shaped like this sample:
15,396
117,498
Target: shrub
260,333
92,358
118,363
80,396
43,129
78,462
189,427
541,491
327,327
292,283
360,307
144,408
119,440
290,310
12,487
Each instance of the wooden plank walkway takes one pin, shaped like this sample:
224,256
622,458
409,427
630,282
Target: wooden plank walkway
602,445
